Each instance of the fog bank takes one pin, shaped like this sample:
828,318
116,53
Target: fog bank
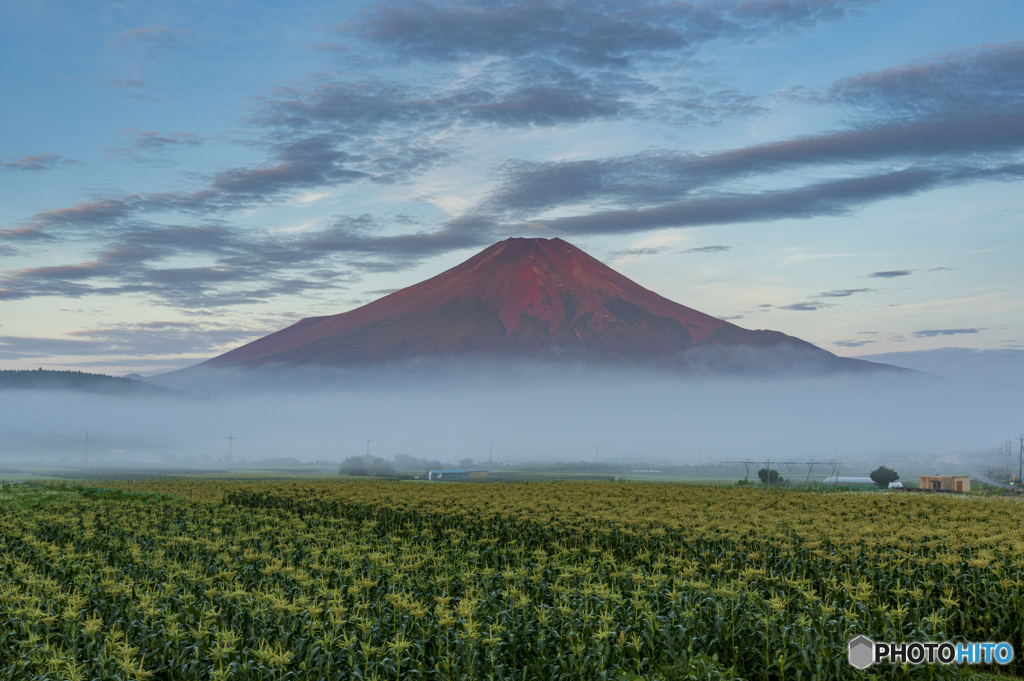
541,416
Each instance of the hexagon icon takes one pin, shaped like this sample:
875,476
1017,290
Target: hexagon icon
862,652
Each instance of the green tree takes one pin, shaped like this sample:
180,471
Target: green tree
380,468
882,476
353,465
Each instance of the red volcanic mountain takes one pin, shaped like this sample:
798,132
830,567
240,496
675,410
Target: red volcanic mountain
520,298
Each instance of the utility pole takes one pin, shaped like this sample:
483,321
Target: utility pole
231,442
1008,451
87,451
1020,460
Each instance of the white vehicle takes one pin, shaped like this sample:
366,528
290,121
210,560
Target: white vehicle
895,485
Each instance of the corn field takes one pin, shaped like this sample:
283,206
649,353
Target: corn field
179,579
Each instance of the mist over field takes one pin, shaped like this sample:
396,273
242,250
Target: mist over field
527,416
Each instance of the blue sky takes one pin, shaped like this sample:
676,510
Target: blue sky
178,178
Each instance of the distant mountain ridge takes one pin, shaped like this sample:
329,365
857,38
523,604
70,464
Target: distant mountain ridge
528,299
79,381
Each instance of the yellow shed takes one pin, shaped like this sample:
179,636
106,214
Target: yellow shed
946,483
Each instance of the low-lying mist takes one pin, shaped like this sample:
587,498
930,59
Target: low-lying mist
530,414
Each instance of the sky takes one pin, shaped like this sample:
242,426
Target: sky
179,178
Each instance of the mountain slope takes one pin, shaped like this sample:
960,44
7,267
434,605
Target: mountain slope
520,298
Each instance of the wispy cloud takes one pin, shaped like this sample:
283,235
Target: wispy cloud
140,47
806,307
145,42
152,140
142,339
638,252
844,293
707,249
37,163
831,198
931,333
853,343
985,79
585,33
891,274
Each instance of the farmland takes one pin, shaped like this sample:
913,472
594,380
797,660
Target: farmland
192,579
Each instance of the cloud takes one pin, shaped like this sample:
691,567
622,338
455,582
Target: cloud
707,249
958,84
247,266
152,140
529,93
806,307
931,333
294,165
844,293
37,163
140,339
146,42
853,343
891,274
636,252
965,143
141,47
148,146
650,177
585,33
833,198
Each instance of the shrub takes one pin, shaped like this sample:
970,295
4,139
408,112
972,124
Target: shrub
775,478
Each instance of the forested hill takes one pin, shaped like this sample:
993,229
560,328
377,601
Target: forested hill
79,381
